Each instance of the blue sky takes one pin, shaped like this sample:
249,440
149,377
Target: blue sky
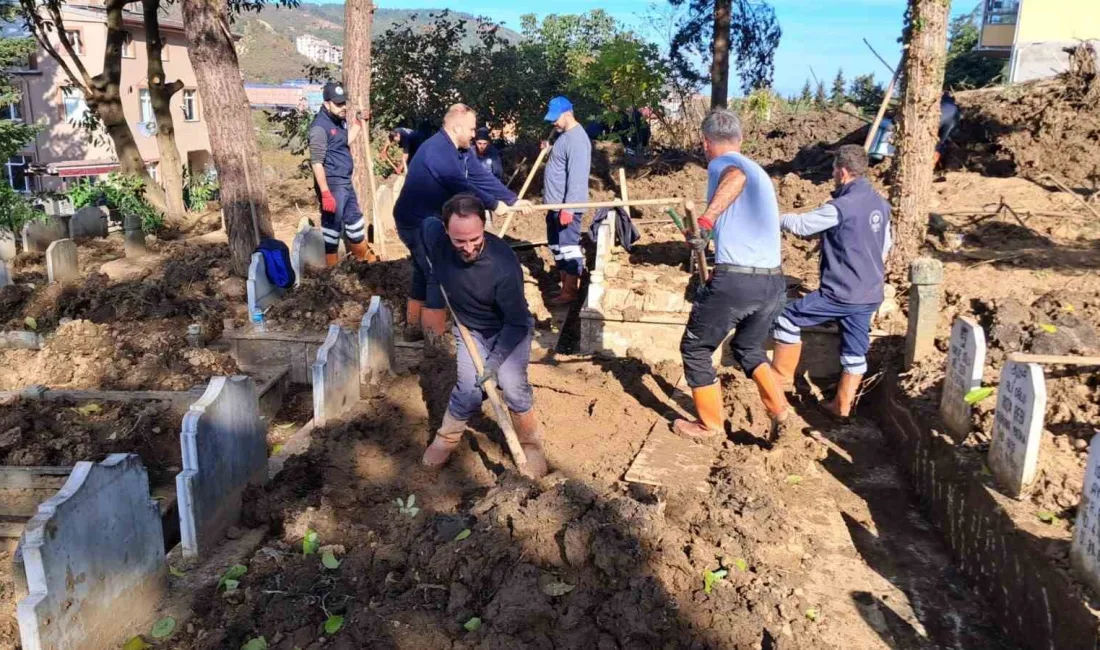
826,35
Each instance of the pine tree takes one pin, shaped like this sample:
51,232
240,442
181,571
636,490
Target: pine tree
837,98
820,98
807,94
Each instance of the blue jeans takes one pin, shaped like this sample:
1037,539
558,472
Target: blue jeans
348,218
815,309
466,397
565,243
424,287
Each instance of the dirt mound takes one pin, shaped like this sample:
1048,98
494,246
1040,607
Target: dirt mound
1043,127
63,432
341,294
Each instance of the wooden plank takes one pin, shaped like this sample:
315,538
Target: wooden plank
12,529
668,460
1055,359
33,478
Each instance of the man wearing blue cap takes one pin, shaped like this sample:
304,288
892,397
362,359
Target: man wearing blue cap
566,181
330,139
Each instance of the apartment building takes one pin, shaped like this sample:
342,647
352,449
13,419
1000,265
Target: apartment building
64,152
1034,34
319,50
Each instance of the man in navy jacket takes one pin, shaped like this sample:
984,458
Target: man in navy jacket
442,167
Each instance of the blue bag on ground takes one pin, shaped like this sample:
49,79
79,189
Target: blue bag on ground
277,263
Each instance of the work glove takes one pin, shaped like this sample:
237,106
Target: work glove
523,205
705,223
328,202
565,217
487,374
698,244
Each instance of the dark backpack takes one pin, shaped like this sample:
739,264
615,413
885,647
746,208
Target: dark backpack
277,263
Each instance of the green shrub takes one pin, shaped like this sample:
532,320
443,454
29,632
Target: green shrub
15,209
201,189
122,192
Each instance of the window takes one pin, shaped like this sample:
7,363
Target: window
15,172
146,106
75,106
76,39
152,168
1001,12
190,106
12,111
128,46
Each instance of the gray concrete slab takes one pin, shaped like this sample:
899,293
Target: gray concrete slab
40,233
335,375
89,222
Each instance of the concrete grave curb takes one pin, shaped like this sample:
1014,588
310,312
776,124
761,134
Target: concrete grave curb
224,445
94,558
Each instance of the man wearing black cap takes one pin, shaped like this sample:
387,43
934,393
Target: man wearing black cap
487,154
330,138
566,181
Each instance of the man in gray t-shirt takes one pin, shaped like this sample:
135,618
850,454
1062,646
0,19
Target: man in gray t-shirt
566,181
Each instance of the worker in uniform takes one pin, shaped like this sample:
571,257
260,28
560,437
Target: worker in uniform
487,154
855,240
565,180
330,139
949,121
746,289
442,167
484,284
408,141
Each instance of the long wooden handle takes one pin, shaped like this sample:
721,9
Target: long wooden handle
700,255
618,203
379,227
881,111
523,191
1055,359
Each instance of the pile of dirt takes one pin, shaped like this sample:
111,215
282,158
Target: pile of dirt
341,295
1042,127
63,432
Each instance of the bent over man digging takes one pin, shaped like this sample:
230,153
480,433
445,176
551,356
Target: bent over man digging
442,167
855,239
484,284
746,289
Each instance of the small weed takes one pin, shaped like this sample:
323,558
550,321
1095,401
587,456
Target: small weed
231,578
259,643
463,535
978,394
310,542
407,506
711,577
163,628
329,560
333,624
473,625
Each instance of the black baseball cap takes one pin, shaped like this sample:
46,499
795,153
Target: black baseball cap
482,134
334,92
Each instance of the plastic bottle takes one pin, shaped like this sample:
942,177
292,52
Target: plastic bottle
258,321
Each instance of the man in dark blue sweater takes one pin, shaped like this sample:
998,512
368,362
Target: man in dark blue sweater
442,167
484,284
855,239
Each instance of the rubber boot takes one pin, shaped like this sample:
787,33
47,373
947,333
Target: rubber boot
413,331
711,423
841,405
332,259
785,358
434,323
527,430
771,393
446,439
570,290
361,251
554,293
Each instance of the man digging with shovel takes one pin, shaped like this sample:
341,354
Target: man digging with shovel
483,283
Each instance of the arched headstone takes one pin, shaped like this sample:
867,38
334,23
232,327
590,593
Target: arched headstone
40,233
61,261
261,291
376,347
89,221
335,375
965,362
1018,426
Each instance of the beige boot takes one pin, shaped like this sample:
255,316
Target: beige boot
446,439
785,358
527,430
708,404
841,405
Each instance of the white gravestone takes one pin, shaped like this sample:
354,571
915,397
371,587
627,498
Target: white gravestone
376,349
335,375
94,559
307,251
61,261
224,444
89,221
1084,554
5,274
7,245
261,291
40,233
965,362
1018,426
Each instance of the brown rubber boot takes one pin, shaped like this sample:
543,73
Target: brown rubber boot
527,430
446,439
362,252
771,393
413,330
711,423
785,358
841,405
570,290
332,259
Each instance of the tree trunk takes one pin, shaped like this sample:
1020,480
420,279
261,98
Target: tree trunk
358,15
720,59
160,93
917,125
230,124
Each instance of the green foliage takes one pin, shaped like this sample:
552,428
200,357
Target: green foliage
965,67
15,209
865,93
13,54
122,192
310,543
472,625
329,560
408,506
711,577
199,189
163,627
230,580
754,37
978,394
626,72
463,535
333,624
259,643
820,98
837,97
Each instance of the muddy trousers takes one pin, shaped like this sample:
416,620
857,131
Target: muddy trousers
466,397
731,299
564,243
424,287
347,219
814,309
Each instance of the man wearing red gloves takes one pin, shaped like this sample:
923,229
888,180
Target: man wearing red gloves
330,138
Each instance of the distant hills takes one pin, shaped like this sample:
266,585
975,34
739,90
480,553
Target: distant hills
267,50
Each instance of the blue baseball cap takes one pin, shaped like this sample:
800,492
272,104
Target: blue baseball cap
558,105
